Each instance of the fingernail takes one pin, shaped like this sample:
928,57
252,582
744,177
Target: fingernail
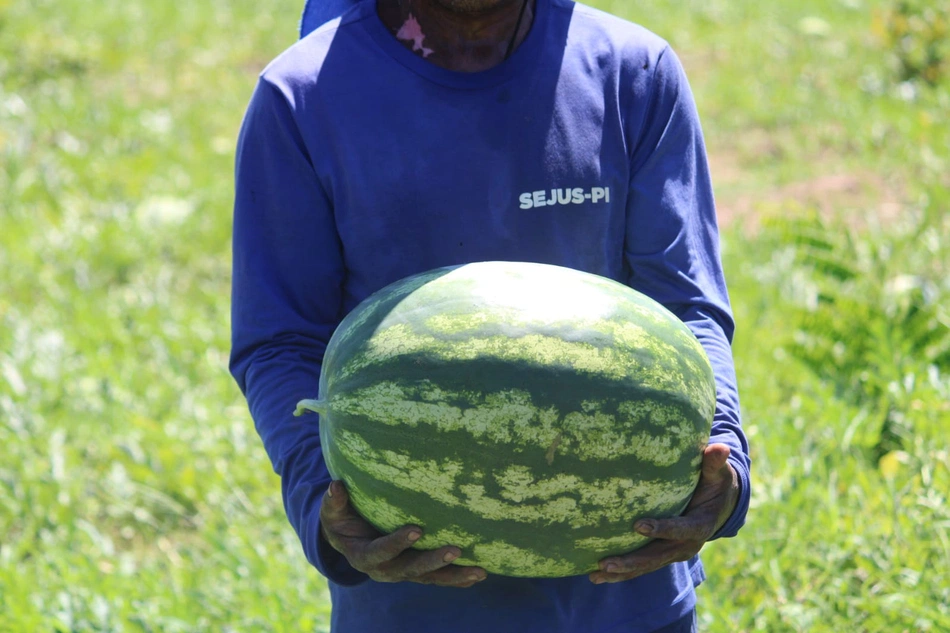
645,527
449,557
476,577
612,568
414,536
330,491
598,581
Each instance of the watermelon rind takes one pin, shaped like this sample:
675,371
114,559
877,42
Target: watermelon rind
526,413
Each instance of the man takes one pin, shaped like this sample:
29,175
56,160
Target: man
406,135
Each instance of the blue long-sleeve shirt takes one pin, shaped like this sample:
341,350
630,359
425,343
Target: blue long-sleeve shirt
360,163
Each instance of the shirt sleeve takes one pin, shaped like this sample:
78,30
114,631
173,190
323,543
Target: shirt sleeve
672,248
286,302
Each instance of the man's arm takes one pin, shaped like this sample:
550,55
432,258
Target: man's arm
671,252
672,248
286,302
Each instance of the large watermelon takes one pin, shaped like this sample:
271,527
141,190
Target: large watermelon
527,413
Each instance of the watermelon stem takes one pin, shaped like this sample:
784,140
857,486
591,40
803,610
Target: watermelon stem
316,406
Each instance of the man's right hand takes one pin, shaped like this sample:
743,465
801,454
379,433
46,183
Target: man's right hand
389,557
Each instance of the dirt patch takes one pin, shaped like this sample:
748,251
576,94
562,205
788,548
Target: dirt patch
859,198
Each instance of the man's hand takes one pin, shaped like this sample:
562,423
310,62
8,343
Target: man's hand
680,538
389,557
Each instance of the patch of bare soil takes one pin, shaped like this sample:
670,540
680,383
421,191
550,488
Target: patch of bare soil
859,198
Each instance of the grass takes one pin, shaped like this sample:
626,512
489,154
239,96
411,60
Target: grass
134,494
849,527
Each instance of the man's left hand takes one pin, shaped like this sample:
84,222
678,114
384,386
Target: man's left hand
680,538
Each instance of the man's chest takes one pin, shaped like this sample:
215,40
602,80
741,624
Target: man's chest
538,175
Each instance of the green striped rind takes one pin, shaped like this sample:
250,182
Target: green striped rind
362,321
653,432
518,312
528,414
548,523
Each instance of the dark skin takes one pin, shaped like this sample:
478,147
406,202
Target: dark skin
472,36
680,538
389,557
459,35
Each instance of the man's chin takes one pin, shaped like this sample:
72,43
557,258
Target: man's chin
475,7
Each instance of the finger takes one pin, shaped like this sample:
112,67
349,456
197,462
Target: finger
454,576
340,523
697,526
386,548
715,459
415,564
336,503
647,558
654,556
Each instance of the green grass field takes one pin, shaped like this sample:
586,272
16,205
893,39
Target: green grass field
134,493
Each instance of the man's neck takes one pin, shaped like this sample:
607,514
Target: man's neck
464,41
